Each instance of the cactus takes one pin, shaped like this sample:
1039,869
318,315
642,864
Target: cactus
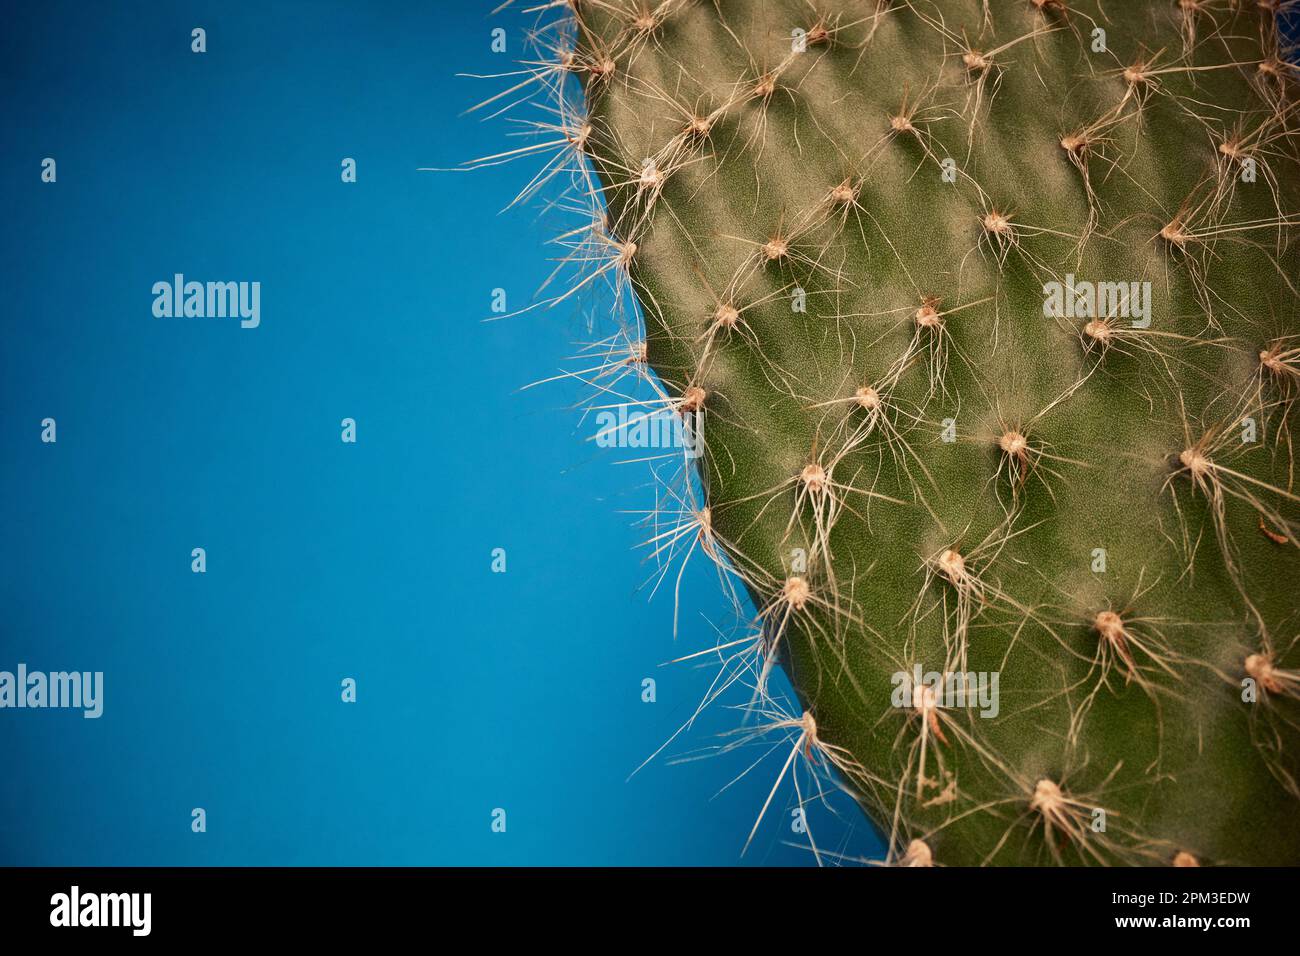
987,312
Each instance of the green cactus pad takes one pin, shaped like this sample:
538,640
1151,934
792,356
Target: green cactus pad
862,236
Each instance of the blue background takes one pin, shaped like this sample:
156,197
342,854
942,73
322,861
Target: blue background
325,560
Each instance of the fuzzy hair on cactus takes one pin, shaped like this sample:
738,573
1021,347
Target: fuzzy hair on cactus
987,313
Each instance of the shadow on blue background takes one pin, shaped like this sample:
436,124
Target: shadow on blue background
325,560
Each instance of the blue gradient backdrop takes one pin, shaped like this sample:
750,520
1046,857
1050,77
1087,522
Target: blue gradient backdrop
325,560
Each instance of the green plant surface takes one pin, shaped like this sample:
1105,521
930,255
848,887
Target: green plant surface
852,228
